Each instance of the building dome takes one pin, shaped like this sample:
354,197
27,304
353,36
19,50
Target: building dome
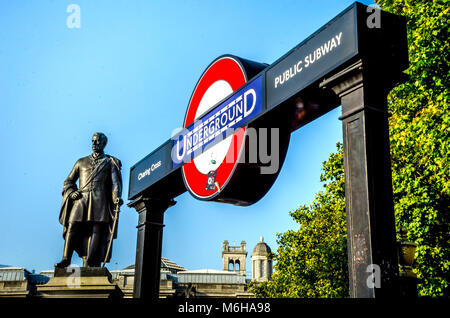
261,249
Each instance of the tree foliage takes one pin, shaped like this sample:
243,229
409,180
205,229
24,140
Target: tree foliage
309,260
312,260
419,130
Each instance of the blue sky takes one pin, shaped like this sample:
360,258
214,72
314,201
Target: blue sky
129,71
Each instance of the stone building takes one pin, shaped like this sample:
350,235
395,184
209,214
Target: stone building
231,282
261,264
175,280
234,257
212,283
18,282
168,288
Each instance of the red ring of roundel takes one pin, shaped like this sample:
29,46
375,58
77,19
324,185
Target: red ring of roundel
229,70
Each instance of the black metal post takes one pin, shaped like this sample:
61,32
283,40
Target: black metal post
149,244
372,254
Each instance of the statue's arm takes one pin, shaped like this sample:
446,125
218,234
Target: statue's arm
70,184
116,178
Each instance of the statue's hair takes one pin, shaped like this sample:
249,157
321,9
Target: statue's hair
102,136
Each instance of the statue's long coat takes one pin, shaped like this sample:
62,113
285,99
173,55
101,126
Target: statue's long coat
100,184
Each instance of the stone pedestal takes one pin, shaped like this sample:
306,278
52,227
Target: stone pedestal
80,282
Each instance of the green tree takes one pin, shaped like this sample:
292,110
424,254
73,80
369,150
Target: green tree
312,260
419,131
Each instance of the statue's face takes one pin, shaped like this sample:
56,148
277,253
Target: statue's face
98,144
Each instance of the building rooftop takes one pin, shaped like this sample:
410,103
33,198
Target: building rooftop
261,249
13,274
207,271
165,263
210,276
8,274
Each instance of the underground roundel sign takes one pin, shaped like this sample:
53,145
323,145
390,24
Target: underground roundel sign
208,173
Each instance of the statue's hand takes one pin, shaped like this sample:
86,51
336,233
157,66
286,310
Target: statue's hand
75,195
118,201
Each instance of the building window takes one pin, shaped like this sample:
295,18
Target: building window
261,268
253,269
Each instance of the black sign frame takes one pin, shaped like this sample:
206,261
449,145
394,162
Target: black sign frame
359,82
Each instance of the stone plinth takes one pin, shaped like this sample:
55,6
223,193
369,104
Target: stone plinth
80,282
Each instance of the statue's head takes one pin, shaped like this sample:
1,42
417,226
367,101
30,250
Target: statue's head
99,141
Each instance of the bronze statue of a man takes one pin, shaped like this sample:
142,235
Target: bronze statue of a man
87,211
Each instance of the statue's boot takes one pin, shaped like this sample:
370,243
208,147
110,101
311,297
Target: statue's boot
68,250
64,263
